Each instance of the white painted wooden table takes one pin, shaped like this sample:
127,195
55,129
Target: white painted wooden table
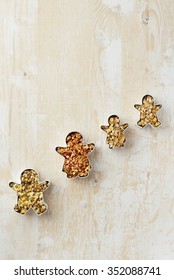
68,65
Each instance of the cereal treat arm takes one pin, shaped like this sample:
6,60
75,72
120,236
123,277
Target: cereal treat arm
43,186
89,148
63,151
15,187
138,107
123,126
157,107
105,128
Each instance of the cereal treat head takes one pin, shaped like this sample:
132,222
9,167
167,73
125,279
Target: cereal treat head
148,101
74,138
113,120
29,176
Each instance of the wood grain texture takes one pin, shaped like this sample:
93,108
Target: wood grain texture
67,66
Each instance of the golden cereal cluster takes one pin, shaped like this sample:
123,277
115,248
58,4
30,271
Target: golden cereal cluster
76,162
115,136
30,193
148,112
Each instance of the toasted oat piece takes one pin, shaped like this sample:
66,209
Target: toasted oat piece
148,112
115,136
76,162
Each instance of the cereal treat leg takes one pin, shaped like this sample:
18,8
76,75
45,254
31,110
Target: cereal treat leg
19,208
141,123
39,206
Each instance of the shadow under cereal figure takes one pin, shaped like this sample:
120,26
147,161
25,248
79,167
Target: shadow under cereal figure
76,162
148,112
30,193
115,136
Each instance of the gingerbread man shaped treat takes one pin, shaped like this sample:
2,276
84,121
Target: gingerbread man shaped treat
30,193
76,162
115,136
148,111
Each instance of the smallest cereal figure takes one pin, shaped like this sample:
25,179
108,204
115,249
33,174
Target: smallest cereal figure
76,162
148,112
115,136
30,193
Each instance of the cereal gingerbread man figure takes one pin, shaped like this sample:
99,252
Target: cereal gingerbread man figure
30,193
115,136
76,162
148,111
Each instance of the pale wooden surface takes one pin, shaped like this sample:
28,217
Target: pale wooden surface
67,65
